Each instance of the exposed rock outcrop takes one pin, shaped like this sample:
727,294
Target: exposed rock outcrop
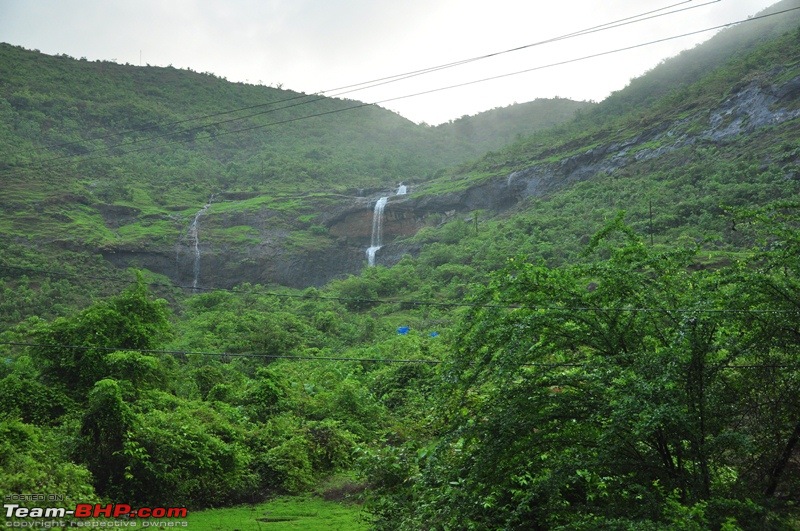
270,256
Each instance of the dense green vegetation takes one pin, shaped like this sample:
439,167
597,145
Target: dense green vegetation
631,389
631,392
620,353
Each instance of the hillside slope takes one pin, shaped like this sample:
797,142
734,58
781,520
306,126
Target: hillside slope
98,157
676,164
496,128
282,192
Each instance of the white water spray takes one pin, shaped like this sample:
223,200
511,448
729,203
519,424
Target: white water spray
377,230
194,238
402,189
510,178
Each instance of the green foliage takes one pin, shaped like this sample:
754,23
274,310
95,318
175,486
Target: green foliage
616,391
74,351
265,396
32,461
141,371
187,455
102,437
32,401
290,454
365,291
288,465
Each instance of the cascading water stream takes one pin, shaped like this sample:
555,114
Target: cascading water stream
194,238
377,225
377,230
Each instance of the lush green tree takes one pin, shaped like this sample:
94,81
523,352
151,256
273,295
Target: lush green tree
32,460
32,401
186,453
266,395
74,351
765,295
102,437
136,371
627,392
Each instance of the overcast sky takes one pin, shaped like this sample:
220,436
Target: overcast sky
318,45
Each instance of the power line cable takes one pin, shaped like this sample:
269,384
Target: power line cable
579,33
440,304
593,29
264,356
406,96
341,91
449,87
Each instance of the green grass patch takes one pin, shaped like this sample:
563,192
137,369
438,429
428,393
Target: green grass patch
239,234
150,231
86,225
286,512
70,222
308,240
450,184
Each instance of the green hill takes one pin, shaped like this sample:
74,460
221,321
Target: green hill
494,129
115,159
677,159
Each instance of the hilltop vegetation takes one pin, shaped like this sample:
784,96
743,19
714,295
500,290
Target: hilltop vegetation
494,129
616,350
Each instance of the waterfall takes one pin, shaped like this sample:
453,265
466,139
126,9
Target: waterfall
194,238
510,178
377,230
377,225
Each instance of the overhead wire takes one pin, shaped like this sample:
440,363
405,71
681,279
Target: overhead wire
352,88
335,92
353,359
361,105
430,303
219,354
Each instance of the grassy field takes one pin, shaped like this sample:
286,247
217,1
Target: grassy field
307,513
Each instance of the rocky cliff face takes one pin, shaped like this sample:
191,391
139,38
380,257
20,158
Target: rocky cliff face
269,255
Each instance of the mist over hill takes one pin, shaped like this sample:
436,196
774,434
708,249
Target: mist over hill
493,129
